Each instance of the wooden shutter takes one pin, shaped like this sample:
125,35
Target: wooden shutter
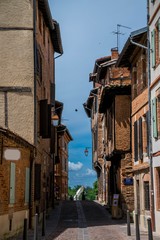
12,183
49,121
45,119
154,117
52,94
135,142
37,182
27,180
147,196
153,48
140,139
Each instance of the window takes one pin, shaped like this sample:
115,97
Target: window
157,41
27,185
154,117
144,71
147,196
12,183
157,174
134,81
138,140
109,123
155,44
37,182
153,49
39,65
135,141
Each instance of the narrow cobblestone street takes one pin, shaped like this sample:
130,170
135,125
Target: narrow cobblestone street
83,220
87,220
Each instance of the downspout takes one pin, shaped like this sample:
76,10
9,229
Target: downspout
35,71
149,125
58,56
35,116
138,44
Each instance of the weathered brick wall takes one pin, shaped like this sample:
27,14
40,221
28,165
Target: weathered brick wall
20,175
127,192
122,122
139,102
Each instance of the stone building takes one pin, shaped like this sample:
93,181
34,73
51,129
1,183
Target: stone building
29,41
134,57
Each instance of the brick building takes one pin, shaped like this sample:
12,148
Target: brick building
61,164
29,41
113,142
134,57
17,156
154,83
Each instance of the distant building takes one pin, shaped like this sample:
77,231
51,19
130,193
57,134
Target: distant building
29,41
61,163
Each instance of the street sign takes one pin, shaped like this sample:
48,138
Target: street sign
12,154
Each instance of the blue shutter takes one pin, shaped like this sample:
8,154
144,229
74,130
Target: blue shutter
153,48
12,183
154,117
27,185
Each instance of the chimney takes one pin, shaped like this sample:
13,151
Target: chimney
114,53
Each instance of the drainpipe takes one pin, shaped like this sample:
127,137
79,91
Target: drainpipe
58,56
35,71
35,116
149,125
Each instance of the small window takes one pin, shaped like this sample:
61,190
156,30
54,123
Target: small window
157,175
39,65
147,196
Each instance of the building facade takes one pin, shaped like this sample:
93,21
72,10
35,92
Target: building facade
29,41
134,57
154,30
61,164
114,162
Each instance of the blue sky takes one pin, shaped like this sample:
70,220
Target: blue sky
87,28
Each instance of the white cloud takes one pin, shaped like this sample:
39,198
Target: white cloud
75,166
90,172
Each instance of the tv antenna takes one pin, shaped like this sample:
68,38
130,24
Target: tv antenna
118,32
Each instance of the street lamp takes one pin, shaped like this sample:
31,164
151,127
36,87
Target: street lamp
86,151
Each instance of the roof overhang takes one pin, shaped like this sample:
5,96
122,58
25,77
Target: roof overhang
110,91
129,47
88,104
52,25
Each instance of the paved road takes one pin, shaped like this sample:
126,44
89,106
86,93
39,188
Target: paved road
83,220
86,220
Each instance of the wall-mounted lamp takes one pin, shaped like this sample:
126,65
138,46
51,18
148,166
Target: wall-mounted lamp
55,120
